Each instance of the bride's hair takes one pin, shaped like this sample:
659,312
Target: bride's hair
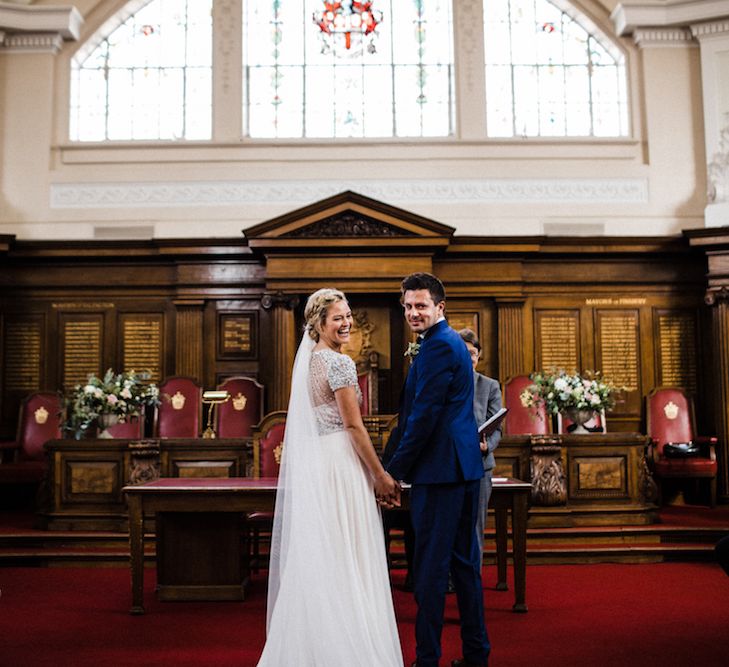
317,306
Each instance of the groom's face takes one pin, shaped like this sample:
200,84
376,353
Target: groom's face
421,312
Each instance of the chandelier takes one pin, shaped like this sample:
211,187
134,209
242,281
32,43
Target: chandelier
347,24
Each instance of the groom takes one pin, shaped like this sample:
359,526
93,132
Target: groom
437,451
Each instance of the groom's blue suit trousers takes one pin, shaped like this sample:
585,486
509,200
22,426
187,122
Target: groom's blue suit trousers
444,519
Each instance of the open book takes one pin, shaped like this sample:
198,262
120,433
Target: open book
493,422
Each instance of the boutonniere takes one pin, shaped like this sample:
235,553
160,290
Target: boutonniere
412,351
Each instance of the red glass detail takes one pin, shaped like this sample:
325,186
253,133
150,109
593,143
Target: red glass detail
355,18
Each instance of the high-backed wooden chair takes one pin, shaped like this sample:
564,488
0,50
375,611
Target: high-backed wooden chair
523,420
598,424
236,417
268,444
39,421
367,374
180,409
670,420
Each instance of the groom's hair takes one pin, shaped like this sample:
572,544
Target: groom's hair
427,281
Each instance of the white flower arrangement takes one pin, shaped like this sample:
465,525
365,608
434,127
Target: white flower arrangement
559,391
123,395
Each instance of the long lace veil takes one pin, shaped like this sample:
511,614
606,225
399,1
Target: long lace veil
296,497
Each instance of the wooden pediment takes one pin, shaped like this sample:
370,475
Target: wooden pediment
347,219
352,241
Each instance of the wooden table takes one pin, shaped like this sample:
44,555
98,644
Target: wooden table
511,495
185,498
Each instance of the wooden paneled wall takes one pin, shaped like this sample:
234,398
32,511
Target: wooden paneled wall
631,308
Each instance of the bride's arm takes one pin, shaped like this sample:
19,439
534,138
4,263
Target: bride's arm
385,486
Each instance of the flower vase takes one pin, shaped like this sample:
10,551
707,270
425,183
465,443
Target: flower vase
104,423
579,417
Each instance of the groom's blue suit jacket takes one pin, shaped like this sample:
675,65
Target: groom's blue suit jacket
436,440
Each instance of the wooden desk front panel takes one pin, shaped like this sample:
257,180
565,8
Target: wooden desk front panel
86,477
602,477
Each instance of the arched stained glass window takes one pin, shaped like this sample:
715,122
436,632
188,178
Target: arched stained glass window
312,79
146,74
551,73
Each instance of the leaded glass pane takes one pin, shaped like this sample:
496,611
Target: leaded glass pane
548,74
526,101
146,76
499,111
394,83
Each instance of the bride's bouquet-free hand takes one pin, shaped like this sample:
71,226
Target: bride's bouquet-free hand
122,395
560,391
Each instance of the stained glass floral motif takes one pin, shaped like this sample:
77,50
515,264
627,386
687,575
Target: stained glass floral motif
146,75
400,86
551,73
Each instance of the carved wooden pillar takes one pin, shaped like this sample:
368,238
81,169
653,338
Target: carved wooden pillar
144,461
718,299
511,337
284,345
189,338
549,483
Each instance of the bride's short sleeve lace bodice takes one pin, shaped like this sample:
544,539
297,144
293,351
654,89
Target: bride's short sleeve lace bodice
330,371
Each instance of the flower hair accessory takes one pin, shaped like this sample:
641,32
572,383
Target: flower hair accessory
412,351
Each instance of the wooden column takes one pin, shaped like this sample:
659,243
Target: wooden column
511,337
284,345
189,339
718,299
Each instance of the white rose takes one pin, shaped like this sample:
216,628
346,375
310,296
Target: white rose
560,384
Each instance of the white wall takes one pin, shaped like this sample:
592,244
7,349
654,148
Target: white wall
651,184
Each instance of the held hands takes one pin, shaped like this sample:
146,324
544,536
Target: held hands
387,491
484,443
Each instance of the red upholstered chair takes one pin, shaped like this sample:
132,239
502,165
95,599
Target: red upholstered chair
367,372
179,411
523,420
39,421
670,419
236,417
598,424
268,443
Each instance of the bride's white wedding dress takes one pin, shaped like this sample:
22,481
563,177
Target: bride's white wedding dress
329,599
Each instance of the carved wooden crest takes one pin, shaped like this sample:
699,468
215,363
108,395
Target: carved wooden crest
41,415
671,410
239,402
178,400
277,452
348,223
360,337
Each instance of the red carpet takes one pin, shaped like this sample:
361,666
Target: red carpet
694,515
665,614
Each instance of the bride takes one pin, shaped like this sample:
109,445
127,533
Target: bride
329,600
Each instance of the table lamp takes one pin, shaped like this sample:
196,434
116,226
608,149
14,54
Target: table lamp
213,399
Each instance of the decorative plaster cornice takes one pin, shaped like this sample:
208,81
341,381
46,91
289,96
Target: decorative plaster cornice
29,42
66,21
663,37
37,29
629,16
712,29
232,193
